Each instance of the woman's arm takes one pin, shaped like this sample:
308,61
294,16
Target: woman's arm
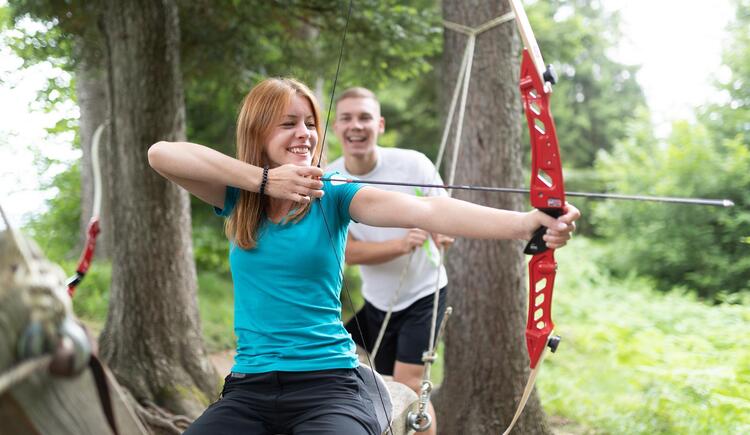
205,173
457,218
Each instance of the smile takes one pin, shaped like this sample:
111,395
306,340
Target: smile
299,149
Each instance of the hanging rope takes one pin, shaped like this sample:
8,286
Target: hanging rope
23,370
421,420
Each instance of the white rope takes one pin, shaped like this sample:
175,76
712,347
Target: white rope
466,30
461,89
462,109
22,371
452,109
446,130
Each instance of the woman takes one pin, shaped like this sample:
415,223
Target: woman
294,368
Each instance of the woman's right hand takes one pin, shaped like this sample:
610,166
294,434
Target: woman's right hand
296,183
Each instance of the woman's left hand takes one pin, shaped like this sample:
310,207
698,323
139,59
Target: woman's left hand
558,230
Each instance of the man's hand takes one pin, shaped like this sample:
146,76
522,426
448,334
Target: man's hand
443,241
414,239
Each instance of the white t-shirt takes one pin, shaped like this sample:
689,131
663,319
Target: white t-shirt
381,281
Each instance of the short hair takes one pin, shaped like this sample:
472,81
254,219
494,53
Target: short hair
356,92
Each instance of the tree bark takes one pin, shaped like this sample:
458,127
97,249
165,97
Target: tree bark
485,338
152,337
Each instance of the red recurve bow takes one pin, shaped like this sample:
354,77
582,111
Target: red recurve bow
547,193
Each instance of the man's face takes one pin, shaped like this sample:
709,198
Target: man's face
358,124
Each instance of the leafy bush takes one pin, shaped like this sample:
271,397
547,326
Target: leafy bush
701,248
635,360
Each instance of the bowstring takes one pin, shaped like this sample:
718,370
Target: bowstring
328,230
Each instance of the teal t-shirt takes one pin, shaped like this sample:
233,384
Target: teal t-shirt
287,313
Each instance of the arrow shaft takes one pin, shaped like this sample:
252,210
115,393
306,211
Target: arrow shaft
592,195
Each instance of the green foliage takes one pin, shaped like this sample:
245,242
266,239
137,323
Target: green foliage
703,249
216,302
595,97
56,230
91,298
696,247
40,42
5,18
210,244
227,46
45,32
412,115
731,117
351,293
637,361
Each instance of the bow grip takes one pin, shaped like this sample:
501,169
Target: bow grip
537,245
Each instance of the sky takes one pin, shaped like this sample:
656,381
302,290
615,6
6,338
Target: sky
677,43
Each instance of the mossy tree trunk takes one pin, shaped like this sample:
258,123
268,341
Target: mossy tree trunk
152,338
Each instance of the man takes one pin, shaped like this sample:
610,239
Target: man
400,268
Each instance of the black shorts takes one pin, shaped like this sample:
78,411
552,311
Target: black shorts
407,335
329,402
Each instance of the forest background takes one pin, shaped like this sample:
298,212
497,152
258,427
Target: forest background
652,299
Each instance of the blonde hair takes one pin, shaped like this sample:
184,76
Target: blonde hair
262,108
357,92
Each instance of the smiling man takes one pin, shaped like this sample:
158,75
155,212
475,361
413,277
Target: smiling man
384,253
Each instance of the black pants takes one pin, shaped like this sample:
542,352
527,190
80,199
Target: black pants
330,402
407,335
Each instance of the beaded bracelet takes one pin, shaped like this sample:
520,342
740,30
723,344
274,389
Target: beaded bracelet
262,189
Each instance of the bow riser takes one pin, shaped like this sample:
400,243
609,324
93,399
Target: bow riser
547,193
547,187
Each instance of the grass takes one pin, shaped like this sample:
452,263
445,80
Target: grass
215,299
638,361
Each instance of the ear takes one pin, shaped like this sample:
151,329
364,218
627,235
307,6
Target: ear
381,125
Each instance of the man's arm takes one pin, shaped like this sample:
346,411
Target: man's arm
368,253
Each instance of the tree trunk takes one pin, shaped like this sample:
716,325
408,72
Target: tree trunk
152,338
485,338
91,92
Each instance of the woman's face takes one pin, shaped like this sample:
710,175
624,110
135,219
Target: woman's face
294,137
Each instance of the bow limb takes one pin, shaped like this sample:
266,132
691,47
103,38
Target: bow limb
93,228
